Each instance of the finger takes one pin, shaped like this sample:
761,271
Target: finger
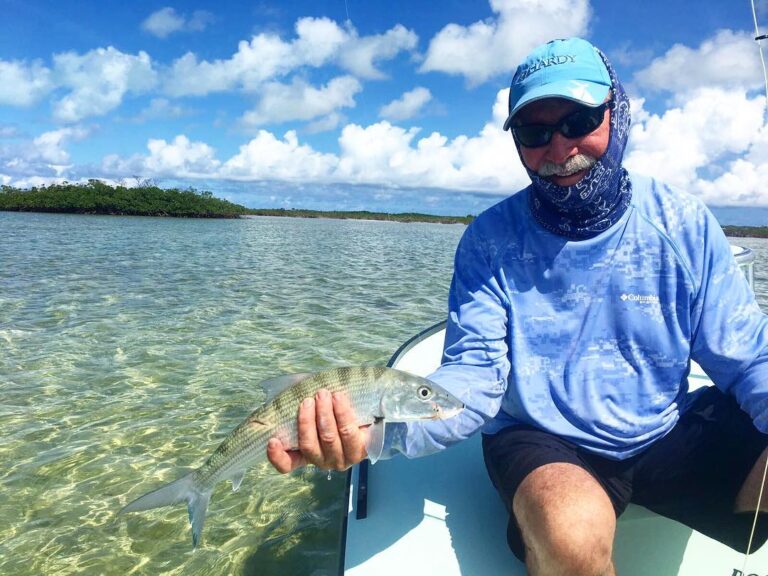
283,460
309,445
351,436
327,431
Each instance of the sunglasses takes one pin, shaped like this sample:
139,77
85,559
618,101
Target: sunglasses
575,125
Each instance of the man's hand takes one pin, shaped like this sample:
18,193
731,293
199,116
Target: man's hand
329,436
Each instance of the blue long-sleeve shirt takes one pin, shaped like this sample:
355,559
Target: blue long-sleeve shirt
592,340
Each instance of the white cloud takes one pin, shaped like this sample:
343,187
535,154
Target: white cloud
48,147
189,77
181,157
44,156
264,157
99,80
30,181
758,148
628,55
300,101
163,22
9,131
359,55
115,166
199,21
743,183
497,45
96,82
712,141
166,21
265,57
407,106
686,146
380,154
724,166
160,108
23,84
268,158
389,155
328,122
712,145
729,60
318,42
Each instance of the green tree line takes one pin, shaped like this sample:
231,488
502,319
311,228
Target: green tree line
97,197
361,215
746,231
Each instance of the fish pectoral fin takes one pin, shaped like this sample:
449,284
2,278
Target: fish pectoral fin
273,386
375,443
237,479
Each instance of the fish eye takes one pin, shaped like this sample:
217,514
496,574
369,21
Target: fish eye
424,392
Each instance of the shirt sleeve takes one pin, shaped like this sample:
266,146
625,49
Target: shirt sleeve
475,364
730,333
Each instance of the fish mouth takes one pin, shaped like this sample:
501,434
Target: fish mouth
440,413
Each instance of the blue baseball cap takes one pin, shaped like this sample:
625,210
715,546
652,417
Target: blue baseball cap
570,68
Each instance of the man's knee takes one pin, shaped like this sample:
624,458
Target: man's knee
582,553
567,521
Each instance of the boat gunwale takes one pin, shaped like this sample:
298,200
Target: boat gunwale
361,504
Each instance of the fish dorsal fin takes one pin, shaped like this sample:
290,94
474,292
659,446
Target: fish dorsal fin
273,386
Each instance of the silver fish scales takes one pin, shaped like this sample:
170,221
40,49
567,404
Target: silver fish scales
378,395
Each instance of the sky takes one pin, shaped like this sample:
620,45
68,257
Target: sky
386,105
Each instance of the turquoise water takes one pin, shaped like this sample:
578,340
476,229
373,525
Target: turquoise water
129,347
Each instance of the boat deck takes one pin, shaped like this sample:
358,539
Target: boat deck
441,514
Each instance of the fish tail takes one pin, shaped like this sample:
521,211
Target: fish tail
182,490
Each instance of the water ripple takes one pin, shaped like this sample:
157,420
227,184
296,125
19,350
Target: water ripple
132,346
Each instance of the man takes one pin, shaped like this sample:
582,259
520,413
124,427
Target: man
575,309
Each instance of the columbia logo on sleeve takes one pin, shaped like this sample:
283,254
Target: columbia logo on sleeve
640,298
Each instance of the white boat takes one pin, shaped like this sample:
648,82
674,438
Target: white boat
441,514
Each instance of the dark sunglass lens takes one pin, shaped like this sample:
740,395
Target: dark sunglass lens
582,122
533,136
574,125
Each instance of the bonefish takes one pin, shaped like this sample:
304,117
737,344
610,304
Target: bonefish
378,395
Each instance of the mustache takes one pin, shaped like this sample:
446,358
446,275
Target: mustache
571,166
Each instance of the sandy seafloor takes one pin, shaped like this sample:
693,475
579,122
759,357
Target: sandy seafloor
129,347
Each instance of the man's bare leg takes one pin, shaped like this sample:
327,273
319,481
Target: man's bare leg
567,522
750,490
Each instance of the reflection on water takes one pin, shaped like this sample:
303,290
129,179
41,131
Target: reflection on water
132,346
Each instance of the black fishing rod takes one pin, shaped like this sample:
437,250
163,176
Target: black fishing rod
759,39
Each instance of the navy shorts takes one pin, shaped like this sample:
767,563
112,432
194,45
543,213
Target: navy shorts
691,475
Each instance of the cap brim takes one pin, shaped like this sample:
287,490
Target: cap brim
586,93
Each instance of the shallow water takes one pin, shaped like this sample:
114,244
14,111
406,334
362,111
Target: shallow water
132,346
129,347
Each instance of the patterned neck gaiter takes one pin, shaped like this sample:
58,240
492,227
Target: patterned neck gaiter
601,197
